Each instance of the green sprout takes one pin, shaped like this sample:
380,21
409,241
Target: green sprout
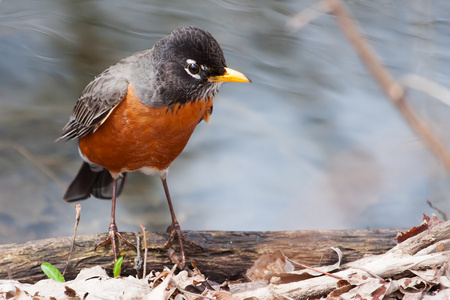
52,272
117,267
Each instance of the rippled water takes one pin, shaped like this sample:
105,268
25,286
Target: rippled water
311,144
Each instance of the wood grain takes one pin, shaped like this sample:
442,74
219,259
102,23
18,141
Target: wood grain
225,255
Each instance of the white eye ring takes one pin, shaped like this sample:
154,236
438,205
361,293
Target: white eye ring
193,69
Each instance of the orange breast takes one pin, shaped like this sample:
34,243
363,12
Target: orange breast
136,136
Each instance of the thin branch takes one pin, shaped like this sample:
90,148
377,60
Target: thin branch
145,251
443,214
77,221
394,91
311,268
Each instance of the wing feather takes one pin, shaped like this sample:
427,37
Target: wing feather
97,101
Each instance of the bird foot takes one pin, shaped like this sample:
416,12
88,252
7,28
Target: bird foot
175,230
113,237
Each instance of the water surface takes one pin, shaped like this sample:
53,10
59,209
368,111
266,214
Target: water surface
311,144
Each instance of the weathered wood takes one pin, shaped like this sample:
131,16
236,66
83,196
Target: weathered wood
429,250
225,254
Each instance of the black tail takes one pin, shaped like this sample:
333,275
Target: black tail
97,183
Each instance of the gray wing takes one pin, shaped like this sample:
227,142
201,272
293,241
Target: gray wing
96,102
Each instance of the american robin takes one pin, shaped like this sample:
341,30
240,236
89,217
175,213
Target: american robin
139,115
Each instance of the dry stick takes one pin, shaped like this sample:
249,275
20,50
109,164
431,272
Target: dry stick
390,86
145,251
443,214
311,268
77,220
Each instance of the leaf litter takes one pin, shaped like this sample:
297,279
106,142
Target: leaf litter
417,268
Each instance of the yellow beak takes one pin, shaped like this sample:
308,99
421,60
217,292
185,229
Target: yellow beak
230,76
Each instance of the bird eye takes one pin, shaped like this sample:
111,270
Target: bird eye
194,69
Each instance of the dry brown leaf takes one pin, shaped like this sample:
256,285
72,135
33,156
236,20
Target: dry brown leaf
159,277
270,263
372,288
412,285
221,295
342,289
279,269
94,281
444,279
358,277
430,276
163,291
316,271
426,224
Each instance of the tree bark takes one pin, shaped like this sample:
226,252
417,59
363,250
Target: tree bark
375,276
225,255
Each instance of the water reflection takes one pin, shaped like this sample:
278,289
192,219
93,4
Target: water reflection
312,143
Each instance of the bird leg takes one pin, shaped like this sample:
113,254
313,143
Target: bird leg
113,234
174,228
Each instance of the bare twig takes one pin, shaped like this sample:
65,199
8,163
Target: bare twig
443,214
311,268
390,86
145,251
77,221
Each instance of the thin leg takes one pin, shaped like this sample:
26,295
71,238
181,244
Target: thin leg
113,234
174,228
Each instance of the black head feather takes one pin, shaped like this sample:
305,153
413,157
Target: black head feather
172,56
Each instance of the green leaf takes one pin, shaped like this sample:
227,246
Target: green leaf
52,272
117,267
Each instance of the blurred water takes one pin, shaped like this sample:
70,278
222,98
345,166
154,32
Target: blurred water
311,144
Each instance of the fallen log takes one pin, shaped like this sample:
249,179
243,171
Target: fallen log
225,255
416,267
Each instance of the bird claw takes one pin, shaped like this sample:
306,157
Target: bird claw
113,237
175,230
